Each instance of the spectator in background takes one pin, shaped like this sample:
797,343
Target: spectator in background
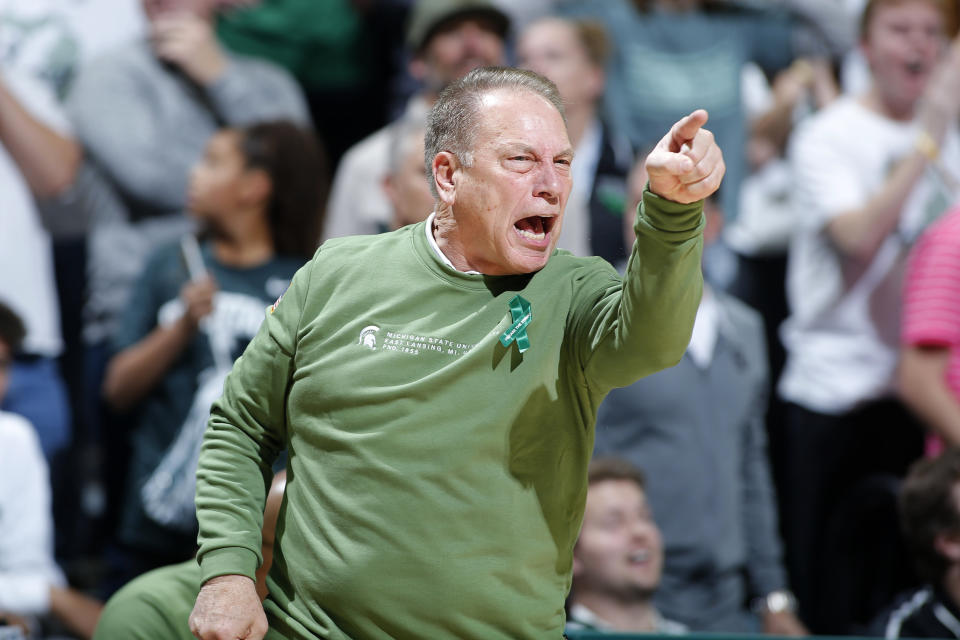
338,51
31,583
158,603
698,430
870,172
670,55
618,557
405,184
27,567
572,54
929,370
448,38
761,233
144,111
192,313
930,517
50,39
38,163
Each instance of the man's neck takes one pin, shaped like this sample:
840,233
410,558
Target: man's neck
447,236
875,102
636,615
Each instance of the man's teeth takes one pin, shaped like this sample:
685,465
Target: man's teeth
639,556
530,234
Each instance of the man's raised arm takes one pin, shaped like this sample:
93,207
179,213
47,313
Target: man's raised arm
644,325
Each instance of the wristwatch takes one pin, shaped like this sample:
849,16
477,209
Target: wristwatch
779,601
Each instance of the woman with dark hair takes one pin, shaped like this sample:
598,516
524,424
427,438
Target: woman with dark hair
257,195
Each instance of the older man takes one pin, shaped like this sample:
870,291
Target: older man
437,387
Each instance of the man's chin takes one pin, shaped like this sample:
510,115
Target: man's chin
531,264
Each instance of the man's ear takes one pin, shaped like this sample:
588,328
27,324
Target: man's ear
446,167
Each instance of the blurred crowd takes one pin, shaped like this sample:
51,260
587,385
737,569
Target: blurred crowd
167,165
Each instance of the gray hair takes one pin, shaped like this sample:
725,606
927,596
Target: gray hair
452,122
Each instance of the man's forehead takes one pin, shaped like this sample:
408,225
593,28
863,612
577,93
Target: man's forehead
611,493
520,117
900,9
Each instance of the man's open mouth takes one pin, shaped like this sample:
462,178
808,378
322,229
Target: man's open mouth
916,67
534,228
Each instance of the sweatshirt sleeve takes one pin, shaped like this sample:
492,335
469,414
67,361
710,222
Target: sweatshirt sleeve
631,328
246,431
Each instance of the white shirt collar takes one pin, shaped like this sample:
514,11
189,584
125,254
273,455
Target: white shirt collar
661,625
705,330
436,248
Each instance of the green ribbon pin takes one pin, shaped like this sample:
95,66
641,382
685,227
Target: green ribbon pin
522,314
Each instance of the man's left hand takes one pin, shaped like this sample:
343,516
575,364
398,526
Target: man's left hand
686,165
783,623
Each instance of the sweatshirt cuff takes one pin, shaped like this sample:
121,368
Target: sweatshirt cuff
682,221
228,561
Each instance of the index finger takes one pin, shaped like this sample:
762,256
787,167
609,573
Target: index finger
686,128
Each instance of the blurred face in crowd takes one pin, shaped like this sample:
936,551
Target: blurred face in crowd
406,185
508,204
619,552
220,183
553,49
456,49
902,43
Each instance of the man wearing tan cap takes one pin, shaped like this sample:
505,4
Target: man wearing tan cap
447,40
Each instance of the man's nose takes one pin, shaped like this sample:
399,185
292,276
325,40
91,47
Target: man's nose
641,530
550,183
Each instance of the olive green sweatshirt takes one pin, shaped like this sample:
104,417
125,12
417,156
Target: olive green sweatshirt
436,478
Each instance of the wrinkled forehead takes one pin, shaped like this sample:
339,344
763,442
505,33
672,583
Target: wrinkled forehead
519,116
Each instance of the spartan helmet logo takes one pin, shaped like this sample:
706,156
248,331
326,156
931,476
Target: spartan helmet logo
368,337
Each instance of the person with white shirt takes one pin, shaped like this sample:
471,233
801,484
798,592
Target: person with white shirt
871,172
27,568
38,161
